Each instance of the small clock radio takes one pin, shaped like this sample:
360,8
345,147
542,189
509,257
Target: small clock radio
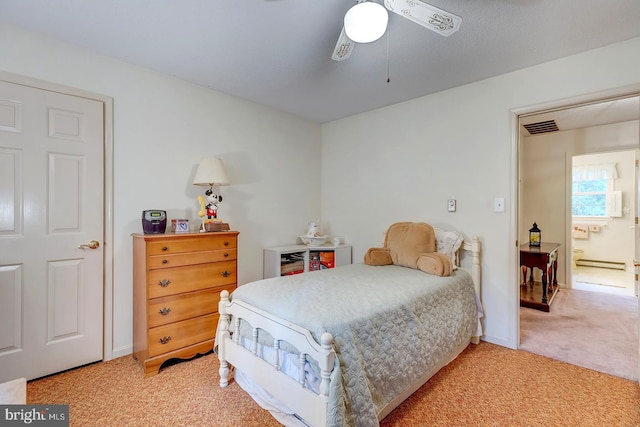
154,221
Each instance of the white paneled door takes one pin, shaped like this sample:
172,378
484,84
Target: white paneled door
51,230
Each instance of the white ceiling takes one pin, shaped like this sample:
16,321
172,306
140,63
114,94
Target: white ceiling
278,52
600,113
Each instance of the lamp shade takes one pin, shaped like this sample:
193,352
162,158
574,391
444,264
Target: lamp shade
366,22
211,172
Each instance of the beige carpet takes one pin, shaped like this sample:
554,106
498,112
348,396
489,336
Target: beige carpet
587,329
487,385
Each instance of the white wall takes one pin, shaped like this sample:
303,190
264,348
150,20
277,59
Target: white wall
544,175
403,162
162,127
397,163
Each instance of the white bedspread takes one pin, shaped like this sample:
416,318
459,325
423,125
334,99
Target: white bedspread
390,325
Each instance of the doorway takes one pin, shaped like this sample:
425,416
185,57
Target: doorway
548,140
602,215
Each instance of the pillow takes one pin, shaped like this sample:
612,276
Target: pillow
448,243
407,240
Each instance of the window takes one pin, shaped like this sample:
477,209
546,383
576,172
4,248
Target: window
589,198
592,191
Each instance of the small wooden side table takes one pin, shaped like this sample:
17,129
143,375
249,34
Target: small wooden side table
544,257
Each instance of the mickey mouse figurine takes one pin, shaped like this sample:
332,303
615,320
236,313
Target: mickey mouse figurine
209,208
212,201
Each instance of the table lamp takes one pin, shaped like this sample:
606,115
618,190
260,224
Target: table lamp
211,173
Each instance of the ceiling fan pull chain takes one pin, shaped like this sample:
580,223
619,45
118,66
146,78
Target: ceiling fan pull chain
388,67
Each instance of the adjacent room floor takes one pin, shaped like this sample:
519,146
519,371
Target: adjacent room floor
593,325
603,280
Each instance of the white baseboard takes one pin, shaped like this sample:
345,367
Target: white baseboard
121,351
497,341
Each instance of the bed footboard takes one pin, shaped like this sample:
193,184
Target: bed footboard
309,405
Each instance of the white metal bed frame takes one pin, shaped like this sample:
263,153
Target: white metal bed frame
294,394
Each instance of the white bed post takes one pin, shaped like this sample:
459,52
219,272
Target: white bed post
327,362
222,335
476,273
475,263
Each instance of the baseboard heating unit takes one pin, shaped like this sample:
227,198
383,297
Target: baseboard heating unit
614,265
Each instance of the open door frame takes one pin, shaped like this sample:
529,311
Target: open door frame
516,220
636,259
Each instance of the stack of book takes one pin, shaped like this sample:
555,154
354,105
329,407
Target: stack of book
291,264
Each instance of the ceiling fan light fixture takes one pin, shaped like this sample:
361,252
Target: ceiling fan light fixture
366,22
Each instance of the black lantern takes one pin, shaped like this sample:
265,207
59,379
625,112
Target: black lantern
535,235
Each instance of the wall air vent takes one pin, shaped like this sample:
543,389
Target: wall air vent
542,127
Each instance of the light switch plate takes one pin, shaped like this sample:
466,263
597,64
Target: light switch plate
451,205
498,204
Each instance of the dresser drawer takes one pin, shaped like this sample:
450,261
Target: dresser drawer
185,306
190,258
164,339
170,281
191,245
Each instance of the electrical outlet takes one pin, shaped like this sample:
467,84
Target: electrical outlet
451,205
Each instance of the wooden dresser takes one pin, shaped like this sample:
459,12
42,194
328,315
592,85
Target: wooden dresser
177,280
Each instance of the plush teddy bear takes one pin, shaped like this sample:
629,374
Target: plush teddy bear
413,245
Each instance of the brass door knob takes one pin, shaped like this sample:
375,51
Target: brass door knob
94,244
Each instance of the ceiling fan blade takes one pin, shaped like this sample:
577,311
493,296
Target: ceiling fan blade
343,48
437,20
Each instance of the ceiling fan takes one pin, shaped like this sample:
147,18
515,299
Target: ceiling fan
431,17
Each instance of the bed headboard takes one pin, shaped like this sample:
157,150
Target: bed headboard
474,248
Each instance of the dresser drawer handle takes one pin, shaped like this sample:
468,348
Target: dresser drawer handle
226,273
164,248
164,261
164,311
164,283
226,243
226,254
165,339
